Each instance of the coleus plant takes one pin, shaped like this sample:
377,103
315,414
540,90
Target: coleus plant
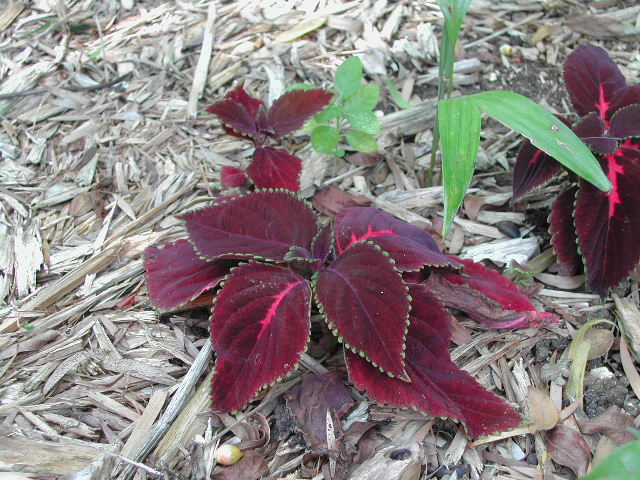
244,116
380,284
590,227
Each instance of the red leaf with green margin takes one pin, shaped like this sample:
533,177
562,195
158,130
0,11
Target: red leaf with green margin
259,328
366,304
291,110
231,177
251,104
593,81
275,168
625,122
410,247
176,275
591,130
627,96
608,225
437,385
259,225
322,244
487,297
533,167
564,238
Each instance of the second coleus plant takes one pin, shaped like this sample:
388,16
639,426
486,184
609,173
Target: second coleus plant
244,116
380,284
590,227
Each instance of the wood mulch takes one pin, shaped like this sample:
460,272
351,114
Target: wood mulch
105,139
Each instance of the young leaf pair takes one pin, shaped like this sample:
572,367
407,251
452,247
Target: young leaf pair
244,116
379,283
354,103
591,227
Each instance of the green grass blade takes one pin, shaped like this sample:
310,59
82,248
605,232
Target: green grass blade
396,96
544,130
459,123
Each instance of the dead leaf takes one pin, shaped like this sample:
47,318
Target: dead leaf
34,343
614,423
364,159
311,400
251,466
568,447
331,200
542,410
601,341
601,26
629,318
460,334
472,206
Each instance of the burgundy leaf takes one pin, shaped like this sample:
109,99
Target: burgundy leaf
251,104
608,224
410,247
260,224
322,244
366,302
625,97
176,275
331,200
591,129
235,117
593,80
625,122
232,177
259,328
564,238
275,168
437,385
533,167
487,297
292,109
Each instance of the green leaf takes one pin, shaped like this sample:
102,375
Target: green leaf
365,98
362,142
365,122
396,96
348,76
459,123
454,12
545,131
300,86
329,113
622,463
325,139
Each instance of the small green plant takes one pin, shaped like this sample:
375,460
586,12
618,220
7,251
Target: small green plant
623,463
351,111
459,119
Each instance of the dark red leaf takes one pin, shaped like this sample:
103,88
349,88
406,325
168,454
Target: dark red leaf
311,401
260,224
366,303
251,104
591,129
175,274
232,177
487,297
292,109
322,244
437,385
625,122
625,97
533,167
331,200
259,328
410,247
593,80
564,238
568,447
608,224
235,117
275,168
